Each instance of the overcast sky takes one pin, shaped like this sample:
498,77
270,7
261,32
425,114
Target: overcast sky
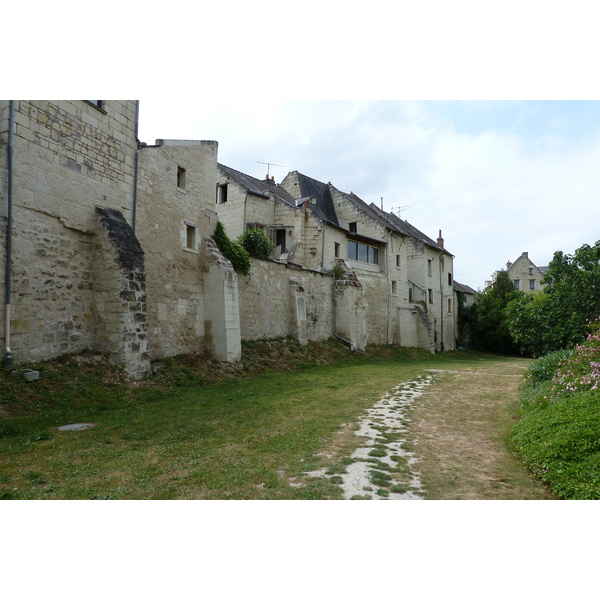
497,177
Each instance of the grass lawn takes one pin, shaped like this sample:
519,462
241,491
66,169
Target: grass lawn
242,438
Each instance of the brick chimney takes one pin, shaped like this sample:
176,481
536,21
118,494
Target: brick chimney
440,240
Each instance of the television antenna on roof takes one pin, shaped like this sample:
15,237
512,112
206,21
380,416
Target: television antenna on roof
399,209
269,165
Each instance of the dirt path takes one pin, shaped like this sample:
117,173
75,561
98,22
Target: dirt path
459,431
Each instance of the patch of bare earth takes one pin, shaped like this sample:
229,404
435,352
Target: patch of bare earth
459,429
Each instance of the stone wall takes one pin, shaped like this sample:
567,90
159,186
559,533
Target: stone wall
120,294
173,222
278,301
68,158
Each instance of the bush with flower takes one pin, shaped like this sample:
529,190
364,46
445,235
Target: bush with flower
581,370
558,433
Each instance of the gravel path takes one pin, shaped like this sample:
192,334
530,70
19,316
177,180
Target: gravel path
381,468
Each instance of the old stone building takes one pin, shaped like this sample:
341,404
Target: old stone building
75,278
393,284
108,239
106,245
524,274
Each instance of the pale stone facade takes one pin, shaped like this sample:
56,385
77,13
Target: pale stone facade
397,286
109,239
67,158
524,274
192,288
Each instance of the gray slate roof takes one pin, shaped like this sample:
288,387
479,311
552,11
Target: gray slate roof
461,287
321,192
258,187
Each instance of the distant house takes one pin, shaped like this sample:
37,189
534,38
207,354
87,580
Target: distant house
524,274
465,296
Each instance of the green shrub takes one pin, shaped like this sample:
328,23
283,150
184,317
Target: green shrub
561,445
256,243
545,367
233,251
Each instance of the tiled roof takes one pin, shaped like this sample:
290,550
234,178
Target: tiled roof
322,193
461,287
405,228
258,187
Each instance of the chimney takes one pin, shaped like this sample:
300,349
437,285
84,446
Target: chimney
525,254
508,265
440,240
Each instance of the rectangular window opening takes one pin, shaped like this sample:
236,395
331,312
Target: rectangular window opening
352,227
430,295
449,306
221,193
181,178
191,237
532,284
336,249
394,287
363,253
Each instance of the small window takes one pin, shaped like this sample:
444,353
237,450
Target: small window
449,278
517,284
280,239
429,263
191,237
97,103
336,249
352,227
410,294
221,193
449,306
394,287
531,270
430,295
397,261
532,284
181,178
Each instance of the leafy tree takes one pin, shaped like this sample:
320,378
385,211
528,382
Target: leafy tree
489,323
256,243
234,251
557,318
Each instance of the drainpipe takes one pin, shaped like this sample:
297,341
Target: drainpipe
323,247
442,303
389,283
135,166
8,357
